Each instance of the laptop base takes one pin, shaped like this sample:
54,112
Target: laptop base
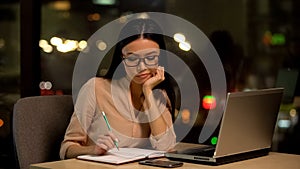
219,160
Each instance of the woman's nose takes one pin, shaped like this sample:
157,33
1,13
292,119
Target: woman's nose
141,66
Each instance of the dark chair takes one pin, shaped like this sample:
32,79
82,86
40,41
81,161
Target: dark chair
39,125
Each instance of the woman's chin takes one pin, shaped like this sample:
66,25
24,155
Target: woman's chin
140,80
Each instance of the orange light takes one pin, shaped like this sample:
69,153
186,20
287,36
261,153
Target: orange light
185,116
267,38
209,102
1,122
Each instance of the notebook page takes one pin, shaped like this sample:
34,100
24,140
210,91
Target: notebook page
109,158
123,155
135,152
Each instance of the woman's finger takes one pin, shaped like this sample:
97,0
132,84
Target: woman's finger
113,137
106,142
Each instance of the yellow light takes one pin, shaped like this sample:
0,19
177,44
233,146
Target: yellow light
62,48
67,46
101,45
178,37
48,48
43,43
143,16
61,5
293,112
82,45
71,44
56,41
185,46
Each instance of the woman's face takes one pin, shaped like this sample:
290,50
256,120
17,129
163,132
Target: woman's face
140,59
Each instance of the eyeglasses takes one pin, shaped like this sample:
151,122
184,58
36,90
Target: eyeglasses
132,61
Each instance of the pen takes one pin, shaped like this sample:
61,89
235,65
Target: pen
109,128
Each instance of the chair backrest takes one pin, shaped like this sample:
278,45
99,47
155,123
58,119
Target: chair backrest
39,124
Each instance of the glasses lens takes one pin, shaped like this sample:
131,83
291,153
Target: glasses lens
151,60
132,61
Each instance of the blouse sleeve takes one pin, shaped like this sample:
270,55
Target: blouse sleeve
166,140
84,109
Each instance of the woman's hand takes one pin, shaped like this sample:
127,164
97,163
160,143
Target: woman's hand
157,77
105,143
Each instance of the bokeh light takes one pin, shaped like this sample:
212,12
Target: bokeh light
178,37
209,102
214,140
185,116
1,122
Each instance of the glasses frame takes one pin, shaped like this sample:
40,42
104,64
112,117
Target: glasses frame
140,59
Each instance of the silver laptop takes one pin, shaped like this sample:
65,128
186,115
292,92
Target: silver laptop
246,129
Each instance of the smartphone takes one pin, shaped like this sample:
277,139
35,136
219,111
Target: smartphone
162,163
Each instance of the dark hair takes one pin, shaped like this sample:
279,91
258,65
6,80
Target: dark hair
147,29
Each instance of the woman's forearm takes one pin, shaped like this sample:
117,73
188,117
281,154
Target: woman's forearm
157,122
75,150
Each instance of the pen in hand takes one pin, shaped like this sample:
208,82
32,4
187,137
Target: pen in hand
109,128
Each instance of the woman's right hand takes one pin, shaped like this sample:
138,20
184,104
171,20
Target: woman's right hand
105,143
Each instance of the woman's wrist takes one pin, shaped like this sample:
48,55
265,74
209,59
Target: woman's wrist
147,91
76,150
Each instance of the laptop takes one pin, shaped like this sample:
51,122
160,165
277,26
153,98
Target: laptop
246,129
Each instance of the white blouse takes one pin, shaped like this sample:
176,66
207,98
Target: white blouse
129,125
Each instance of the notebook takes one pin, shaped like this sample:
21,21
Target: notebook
123,155
246,129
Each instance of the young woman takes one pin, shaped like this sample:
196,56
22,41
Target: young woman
137,104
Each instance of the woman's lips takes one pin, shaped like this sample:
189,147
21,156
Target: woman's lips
144,75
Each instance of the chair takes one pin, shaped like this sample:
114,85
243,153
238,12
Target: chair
39,124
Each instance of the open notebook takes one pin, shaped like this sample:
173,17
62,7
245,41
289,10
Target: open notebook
123,155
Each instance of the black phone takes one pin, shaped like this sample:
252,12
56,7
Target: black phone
162,163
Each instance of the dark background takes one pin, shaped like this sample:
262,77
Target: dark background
257,41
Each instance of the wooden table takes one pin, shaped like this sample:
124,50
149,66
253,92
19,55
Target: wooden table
271,161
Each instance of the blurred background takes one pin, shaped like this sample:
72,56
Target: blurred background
258,42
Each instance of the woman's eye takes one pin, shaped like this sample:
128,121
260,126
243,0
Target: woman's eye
150,57
132,59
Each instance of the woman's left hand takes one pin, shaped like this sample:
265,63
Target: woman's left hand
158,77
